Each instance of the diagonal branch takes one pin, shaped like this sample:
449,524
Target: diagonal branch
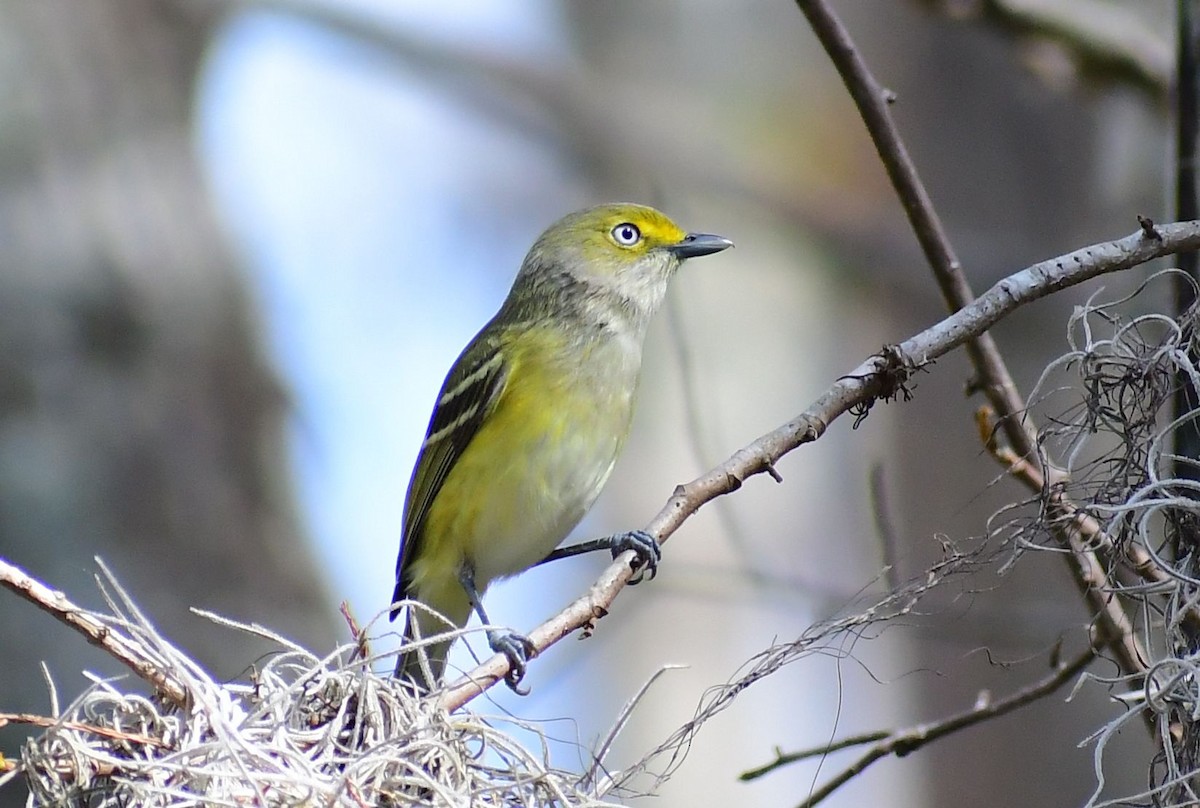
78,726
1080,531
116,643
880,376
872,100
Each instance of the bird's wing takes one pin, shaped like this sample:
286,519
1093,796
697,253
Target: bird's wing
467,397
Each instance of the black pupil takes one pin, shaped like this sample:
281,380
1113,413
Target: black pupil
628,232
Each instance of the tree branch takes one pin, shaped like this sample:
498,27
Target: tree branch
1083,533
873,103
98,633
880,376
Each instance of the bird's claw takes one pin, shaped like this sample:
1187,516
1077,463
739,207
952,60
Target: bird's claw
519,650
647,550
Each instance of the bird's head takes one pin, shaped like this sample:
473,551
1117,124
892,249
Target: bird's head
613,257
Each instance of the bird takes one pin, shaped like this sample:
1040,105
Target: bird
528,425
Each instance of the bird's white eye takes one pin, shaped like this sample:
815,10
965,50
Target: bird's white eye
627,234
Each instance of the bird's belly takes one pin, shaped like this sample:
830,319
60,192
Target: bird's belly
546,492
545,468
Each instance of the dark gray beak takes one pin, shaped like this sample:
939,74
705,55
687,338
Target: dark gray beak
695,245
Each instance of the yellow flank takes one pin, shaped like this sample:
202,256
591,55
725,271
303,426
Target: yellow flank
530,473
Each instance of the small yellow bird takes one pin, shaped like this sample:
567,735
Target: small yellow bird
529,422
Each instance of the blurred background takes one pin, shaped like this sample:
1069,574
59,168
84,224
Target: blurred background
242,242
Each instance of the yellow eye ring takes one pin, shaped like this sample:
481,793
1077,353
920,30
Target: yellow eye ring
626,234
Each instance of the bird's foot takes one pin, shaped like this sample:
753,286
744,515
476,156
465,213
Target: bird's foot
646,547
519,650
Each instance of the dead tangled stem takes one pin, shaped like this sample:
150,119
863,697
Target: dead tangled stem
1104,484
301,730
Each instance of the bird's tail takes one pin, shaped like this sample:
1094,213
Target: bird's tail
435,608
425,665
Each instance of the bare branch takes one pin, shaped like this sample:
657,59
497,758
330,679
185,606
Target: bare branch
117,644
785,758
992,374
880,376
872,101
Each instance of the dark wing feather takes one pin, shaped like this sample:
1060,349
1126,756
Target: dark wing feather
467,397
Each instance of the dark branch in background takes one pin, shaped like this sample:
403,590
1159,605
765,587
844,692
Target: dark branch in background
881,376
1187,436
1112,623
885,527
1107,42
906,741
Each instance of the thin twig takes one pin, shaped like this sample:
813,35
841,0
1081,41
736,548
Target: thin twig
906,741
784,758
880,376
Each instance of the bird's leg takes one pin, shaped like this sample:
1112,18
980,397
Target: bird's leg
641,542
517,647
